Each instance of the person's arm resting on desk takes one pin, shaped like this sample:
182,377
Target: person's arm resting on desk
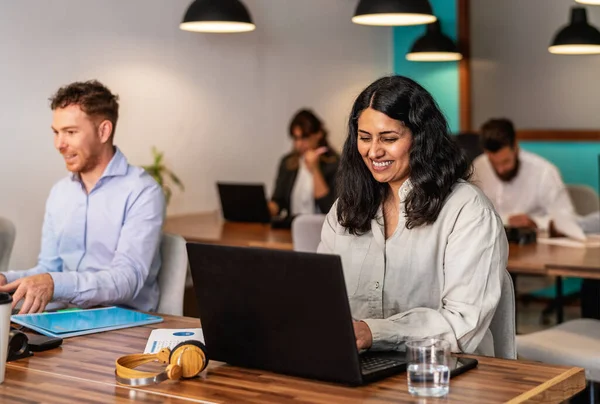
555,198
35,285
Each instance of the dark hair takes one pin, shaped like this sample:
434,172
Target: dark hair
93,97
436,162
309,124
497,134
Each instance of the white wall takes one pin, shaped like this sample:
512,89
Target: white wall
217,105
515,76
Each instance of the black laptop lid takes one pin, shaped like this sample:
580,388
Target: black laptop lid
244,202
281,311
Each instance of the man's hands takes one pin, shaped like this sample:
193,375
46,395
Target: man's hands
521,221
37,290
362,332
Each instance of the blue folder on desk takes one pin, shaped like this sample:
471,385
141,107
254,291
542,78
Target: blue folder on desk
65,324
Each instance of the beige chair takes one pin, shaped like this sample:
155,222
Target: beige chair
574,343
172,274
8,233
503,327
585,199
306,232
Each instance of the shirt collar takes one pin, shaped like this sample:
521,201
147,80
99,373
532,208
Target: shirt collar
116,167
405,190
377,226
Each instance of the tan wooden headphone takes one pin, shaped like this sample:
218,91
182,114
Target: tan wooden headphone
186,360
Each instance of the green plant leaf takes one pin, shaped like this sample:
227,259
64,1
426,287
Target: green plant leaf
176,180
160,173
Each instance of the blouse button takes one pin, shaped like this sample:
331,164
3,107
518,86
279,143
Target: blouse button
376,285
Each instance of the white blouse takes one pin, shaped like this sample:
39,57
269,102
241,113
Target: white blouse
441,280
303,192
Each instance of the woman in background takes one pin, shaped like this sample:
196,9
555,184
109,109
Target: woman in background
423,250
306,177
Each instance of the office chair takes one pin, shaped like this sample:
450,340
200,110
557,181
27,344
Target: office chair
503,326
306,232
172,274
8,233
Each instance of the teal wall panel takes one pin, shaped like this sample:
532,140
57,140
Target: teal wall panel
439,78
577,161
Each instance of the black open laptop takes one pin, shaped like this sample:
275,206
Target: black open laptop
244,202
281,311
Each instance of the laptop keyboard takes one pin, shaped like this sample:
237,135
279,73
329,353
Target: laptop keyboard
371,364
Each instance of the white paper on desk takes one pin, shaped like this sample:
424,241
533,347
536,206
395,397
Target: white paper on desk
592,241
169,337
567,225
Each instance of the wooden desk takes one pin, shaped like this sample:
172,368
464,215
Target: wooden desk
544,259
22,386
535,259
552,260
210,228
87,364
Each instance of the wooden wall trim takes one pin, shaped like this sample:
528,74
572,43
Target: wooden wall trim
562,135
464,80
464,68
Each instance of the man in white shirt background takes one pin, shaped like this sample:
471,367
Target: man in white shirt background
526,189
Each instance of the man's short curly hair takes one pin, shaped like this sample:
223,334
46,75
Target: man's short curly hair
93,97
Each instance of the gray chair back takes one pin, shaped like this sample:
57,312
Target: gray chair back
585,199
306,232
8,233
503,326
172,274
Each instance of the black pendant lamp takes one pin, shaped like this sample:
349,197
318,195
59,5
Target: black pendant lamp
393,12
220,16
577,38
434,46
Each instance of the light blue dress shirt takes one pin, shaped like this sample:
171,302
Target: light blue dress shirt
102,248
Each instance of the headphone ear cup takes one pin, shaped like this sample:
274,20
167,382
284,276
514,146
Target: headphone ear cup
174,372
190,356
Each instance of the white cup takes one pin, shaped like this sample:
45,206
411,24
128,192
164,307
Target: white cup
5,312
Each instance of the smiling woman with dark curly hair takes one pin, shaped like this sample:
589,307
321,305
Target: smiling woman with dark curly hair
423,250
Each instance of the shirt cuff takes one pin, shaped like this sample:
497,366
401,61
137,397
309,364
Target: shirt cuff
12,276
542,222
383,340
65,284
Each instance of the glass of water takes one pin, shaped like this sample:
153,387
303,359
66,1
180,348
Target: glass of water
428,372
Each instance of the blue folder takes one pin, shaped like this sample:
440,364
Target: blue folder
65,324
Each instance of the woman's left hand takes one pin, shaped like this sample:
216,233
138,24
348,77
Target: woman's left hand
362,332
311,158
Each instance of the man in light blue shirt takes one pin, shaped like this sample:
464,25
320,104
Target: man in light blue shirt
102,227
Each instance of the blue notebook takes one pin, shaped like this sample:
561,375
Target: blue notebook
65,324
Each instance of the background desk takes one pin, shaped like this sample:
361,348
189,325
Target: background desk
535,259
210,228
558,261
86,364
532,259
544,259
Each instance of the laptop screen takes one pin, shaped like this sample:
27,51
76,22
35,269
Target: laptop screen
244,202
